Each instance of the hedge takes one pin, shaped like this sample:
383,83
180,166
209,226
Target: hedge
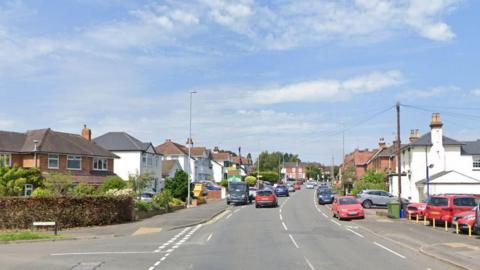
68,212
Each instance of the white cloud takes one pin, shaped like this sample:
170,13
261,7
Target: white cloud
434,92
328,90
476,92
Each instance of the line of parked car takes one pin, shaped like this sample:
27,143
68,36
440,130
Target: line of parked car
343,207
451,208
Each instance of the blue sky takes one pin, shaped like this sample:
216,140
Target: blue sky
270,75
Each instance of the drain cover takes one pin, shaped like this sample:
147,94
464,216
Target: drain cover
87,266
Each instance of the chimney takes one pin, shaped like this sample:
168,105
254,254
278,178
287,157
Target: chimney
168,140
189,142
86,133
414,135
381,143
436,121
216,149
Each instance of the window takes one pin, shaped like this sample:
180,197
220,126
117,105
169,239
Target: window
5,159
100,164
149,161
53,161
476,162
74,162
144,160
465,202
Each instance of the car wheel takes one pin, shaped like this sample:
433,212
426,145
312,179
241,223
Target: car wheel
228,202
367,204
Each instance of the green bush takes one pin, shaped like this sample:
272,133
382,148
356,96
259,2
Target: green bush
178,185
112,182
144,206
42,192
176,202
21,212
224,183
251,180
163,199
13,179
269,176
85,189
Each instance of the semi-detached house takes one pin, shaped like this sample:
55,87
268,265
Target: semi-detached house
58,152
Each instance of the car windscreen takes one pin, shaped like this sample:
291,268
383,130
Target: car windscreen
236,186
438,201
264,193
464,202
344,201
326,192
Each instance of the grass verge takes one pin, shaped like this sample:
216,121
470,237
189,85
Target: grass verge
25,235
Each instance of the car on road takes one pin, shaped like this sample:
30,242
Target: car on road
290,188
325,197
310,185
417,209
322,188
265,197
371,197
252,192
347,207
237,193
443,207
281,190
466,219
297,186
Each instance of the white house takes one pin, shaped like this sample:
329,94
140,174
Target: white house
453,166
202,163
169,168
174,151
136,157
220,162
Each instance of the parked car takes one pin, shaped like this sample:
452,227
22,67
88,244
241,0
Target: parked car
310,185
370,197
290,188
297,186
265,197
443,207
325,197
417,209
323,188
146,196
347,207
466,219
252,192
237,193
281,190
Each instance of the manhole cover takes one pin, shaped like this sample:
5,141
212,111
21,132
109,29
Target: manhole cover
87,266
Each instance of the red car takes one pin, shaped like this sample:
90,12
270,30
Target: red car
347,207
463,219
265,197
297,186
442,208
417,209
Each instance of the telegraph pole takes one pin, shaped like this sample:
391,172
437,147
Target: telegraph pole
399,163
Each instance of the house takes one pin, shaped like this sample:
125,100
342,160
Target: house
294,170
245,165
169,168
136,157
435,164
384,160
58,152
358,159
221,160
203,165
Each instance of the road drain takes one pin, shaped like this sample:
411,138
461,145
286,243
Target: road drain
87,266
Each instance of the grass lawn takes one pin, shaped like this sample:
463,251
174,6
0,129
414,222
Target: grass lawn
25,235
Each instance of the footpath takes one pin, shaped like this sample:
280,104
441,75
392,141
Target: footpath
459,250
178,219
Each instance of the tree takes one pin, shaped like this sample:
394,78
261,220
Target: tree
251,180
269,176
13,179
348,177
273,161
138,182
58,183
178,185
313,171
371,180
112,182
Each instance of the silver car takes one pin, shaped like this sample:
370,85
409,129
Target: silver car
371,197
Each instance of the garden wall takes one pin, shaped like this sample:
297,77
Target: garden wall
20,213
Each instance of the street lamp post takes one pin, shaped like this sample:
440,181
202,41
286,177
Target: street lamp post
190,145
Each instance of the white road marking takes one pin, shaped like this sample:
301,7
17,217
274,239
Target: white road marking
280,210
229,216
209,237
356,233
281,217
309,264
236,211
151,268
101,253
157,263
325,215
293,241
284,226
389,250
334,221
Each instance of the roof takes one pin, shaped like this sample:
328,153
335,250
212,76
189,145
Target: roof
458,178
293,165
121,141
171,148
426,140
167,166
198,151
50,141
221,156
471,148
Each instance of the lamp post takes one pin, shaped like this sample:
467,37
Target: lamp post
190,145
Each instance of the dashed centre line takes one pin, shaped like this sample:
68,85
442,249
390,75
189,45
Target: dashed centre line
356,233
389,250
293,241
284,226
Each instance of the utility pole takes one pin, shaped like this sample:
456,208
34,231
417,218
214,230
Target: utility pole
399,163
332,170
190,145
343,141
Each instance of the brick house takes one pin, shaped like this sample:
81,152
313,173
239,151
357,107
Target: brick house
358,160
59,152
294,170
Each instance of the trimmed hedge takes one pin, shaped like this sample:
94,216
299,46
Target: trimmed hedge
20,213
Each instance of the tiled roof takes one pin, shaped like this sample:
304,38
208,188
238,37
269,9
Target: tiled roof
426,140
197,151
50,141
245,161
294,165
171,148
121,141
167,166
471,148
221,156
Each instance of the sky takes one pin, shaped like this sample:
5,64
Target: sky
284,75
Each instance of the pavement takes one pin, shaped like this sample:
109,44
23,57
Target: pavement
297,235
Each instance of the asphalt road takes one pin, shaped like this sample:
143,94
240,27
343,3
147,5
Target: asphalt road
297,235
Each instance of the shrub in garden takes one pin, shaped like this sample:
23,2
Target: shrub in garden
112,182
13,179
144,206
85,189
58,183
176,202
163,199
42,192
178,185
120,192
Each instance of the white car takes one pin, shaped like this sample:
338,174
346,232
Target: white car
310,185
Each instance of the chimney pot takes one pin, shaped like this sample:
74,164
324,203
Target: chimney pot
436,121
